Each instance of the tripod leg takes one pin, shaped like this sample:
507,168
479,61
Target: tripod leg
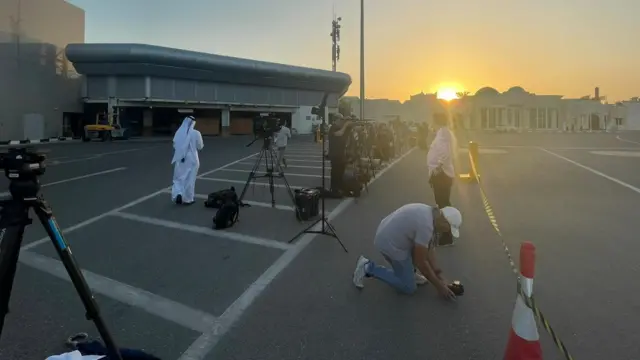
270,173
64,252
252,175
11,231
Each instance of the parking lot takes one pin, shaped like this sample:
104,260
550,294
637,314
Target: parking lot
167,283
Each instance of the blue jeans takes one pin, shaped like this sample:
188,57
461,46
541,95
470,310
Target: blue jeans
401,277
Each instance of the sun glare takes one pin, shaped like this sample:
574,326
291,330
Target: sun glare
447,94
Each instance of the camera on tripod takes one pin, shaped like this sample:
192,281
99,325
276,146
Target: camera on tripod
22,163
265,125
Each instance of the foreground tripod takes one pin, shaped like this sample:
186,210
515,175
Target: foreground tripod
268,154
326,227
23,167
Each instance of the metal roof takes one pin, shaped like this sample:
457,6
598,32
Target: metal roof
132,59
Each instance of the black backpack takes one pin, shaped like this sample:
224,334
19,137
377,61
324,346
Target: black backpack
227,215
216,199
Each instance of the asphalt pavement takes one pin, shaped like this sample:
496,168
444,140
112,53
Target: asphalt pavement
167,283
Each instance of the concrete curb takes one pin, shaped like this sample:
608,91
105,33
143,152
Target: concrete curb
39,141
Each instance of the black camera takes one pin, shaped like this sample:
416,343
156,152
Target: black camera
22,163
266,126
457,288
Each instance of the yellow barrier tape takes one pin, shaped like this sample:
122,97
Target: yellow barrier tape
529,301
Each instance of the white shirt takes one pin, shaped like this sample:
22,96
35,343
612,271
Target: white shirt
441,152
401,230
282,137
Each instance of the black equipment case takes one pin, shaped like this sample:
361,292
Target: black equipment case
307,202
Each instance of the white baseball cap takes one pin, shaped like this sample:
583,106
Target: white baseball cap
454,218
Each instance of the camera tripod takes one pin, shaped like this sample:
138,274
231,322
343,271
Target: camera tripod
326,227
14,218
267,153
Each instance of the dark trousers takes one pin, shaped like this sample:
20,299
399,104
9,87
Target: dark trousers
441,185
338,166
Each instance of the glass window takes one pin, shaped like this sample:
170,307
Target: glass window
308,117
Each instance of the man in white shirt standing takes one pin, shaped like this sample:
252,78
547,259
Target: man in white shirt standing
440,163
281,140
406,238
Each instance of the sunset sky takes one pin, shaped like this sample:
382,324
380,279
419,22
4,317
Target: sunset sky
546,46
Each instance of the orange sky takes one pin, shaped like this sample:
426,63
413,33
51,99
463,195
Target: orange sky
546,46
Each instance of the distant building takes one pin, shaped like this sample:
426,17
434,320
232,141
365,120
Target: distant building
39,88
513,110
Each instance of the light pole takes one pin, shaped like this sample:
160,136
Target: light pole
362,59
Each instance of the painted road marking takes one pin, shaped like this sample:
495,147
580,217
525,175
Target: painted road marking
135,202
617,153
256,183
287,174
76,178
205,343
204,231
291,166
154,304
485,151
594,171
252,203
625,140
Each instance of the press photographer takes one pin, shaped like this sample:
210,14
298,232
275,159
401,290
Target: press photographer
338,134
281,140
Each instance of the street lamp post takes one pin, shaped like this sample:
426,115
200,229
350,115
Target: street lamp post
362,60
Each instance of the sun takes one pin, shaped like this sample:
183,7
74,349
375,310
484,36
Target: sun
447,94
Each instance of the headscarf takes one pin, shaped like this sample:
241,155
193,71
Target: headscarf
181,139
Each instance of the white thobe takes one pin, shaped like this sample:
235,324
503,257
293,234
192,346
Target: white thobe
185,168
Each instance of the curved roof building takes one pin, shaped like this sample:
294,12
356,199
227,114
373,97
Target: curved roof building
149,60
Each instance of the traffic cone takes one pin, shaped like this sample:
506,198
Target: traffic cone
524,340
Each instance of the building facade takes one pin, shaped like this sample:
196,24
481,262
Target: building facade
39,87
150,86
512,110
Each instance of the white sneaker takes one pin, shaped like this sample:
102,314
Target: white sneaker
360,272
420,280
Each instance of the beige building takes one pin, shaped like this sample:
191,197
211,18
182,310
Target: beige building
512,110
39,89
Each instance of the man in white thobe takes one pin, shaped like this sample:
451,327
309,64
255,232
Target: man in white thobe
186,143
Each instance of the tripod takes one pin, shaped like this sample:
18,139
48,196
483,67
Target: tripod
326,227
270,158
14,218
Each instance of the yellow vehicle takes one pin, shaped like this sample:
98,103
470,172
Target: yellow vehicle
105,128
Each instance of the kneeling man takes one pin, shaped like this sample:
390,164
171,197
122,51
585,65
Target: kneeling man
407,239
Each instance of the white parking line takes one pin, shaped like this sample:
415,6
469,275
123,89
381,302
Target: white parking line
123,207
594,171
292,166
287,174
255,203
256,183
154,304
6,193
205,343
625,140
204,230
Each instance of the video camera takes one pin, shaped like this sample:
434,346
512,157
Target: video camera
22,163
23,166
264,126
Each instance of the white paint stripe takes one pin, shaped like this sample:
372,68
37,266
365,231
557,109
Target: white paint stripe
287,155
594,171
204,230
123,207
292,166
305,160
625,140
96,156
205,343
75,178
149,302
84,176
287,174
257,183
254,203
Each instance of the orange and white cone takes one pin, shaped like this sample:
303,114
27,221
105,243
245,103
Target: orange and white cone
524,340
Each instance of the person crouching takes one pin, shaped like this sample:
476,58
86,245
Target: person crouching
407,239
